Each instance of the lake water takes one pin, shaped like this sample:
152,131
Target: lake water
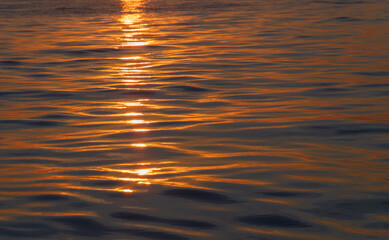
192,119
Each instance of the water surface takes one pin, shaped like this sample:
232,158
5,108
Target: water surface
187,119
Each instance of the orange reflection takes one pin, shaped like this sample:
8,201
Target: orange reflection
131,58
125,190
134,23
139,145
132,104
148,171
155,173
131,6
128,42
133,69
141,130
133,114
137,121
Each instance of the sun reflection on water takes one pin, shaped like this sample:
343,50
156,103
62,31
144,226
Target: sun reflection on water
133,114
141,130
139,145
133,69
132,104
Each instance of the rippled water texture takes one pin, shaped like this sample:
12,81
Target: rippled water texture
189,119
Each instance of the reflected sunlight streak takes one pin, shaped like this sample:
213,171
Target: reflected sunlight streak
139,145
141,130
133,114
137,121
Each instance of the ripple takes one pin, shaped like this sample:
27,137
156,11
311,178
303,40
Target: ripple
189,88
25,230
128,216
199,195
11,63
193,119
32,123
48,198
352,209
273,220
374,74
82,226
287,194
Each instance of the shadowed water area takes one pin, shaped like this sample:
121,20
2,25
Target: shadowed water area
191,119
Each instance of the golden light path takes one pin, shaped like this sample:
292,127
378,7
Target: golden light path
133,72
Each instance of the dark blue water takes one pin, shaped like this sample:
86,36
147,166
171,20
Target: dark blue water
181,119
